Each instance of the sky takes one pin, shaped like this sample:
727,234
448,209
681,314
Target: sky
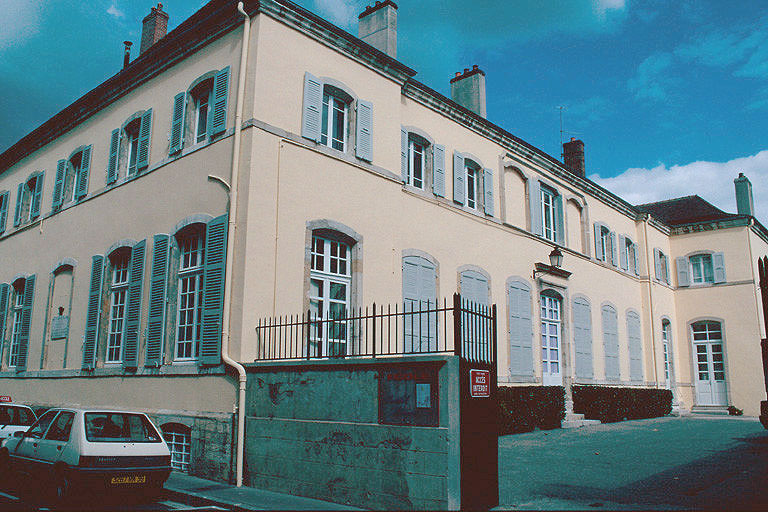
670,98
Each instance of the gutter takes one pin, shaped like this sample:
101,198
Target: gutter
227,313
650,299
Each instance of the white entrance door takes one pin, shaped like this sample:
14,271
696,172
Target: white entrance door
711,388
550,341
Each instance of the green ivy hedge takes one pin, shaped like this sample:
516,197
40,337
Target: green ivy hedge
526,408
611,404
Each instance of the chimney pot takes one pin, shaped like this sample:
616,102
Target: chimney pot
573,157
154,27
745,204
127,53
474,67
468,89
377,26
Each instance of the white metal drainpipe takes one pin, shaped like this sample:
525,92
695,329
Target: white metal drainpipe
225,334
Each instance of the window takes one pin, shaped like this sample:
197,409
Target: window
708,340
628,255
610,342
119,427
661,266
329,293
548,224
132,145
72,177
201,98
200,113
17,309
701,268
666,337
179,441
416,163
520,328
41,425
190,293
550,340
28,199
62,427
582,337
419,303
605,243
4,199
471,180
334,128
119,295
635,346
472,185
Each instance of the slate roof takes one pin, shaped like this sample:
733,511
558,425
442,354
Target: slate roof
685,210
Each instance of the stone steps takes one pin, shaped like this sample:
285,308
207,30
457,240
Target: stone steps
709,410
573,420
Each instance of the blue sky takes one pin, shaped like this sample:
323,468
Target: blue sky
670,98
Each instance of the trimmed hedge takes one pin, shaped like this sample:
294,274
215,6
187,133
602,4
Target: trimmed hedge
526,408
611,404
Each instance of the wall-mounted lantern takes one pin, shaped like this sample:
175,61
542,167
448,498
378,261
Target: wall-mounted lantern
555,261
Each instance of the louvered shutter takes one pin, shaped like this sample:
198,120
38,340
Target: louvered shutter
488,185
635,347
364,135
114,152
534,202
157,290
82,176
177,123
404,155
4,295
559,224
19,201
599,255
419,294
474,287
635,248
94,313
213,290
610,343
4,199
438,170
58,186
718,265
624,261
145,140
582,338
520,329
657,263
26,322
218,120
458,178
37,196
312,107
133,308
683,274
614,258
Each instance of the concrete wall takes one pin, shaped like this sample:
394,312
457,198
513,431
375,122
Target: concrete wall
314,431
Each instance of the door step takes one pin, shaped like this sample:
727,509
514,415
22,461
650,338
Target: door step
718,410
573,420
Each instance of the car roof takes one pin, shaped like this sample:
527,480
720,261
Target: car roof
94,409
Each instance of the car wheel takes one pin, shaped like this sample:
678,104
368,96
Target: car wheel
61,485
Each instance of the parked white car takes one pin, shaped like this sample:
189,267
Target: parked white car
95,449
15,418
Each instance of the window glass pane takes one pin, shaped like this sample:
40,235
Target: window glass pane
114,427
61,428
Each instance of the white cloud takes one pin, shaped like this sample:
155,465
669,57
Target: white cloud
711,180
21,20
114,11
602,7
653,80
339,12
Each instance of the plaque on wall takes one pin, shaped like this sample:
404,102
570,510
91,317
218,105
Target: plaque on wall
59,327
409,396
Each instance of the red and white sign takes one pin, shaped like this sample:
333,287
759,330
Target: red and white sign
479,383
5,399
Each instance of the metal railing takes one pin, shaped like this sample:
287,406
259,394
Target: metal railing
412,328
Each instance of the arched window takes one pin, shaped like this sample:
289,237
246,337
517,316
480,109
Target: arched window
20,306
200,113
335,118
666,338
520,328
635,346
610,342
419,303
551,338
72,177
179,439
119,264
28,199
701,268
582,337
189,301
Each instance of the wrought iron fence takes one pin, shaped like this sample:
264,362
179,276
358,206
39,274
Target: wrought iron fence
462,327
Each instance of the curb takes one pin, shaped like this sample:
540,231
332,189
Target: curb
198,500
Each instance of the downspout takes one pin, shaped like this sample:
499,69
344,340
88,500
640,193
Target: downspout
227,313
650,301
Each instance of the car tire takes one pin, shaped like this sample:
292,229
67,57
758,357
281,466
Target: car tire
60,485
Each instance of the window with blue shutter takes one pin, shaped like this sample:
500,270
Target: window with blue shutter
419,304
438,170
19,202
488,185
623,256
177,123
157,291
218,121
26,323
404,155
635,340
37,196
133,308
4,199
213,290
610,342
520,328
534,203
311,108
636,258
145,139
458,177
94,313
5,294
559,222
114,154
683,273
81,186
718,263
58,186
582,337
364,134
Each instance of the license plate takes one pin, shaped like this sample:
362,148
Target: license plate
129,480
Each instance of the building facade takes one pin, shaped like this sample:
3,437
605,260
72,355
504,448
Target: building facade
356,184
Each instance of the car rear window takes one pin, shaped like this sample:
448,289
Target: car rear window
119,427
12,415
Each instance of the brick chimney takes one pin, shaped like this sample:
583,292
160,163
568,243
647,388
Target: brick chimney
377,26
573,157
155,26
745,205
468,89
